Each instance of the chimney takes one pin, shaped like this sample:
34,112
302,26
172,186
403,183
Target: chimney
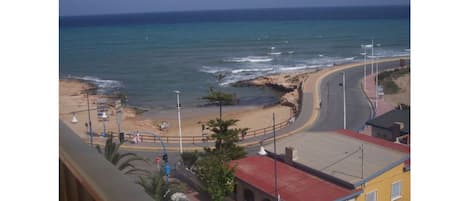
290,155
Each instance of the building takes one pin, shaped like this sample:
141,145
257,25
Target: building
255,181
359,167
392,126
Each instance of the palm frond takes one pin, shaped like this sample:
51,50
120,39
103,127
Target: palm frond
137,170
125,165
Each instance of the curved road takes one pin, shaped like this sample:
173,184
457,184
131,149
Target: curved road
358,108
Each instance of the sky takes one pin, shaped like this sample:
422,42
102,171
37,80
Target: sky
96,7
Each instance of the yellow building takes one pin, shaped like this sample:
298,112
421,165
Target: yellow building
379,169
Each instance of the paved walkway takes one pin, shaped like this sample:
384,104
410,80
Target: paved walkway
379,105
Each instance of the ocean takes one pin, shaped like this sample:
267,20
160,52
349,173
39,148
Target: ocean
148,56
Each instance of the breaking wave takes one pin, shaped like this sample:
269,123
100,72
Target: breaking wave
250,59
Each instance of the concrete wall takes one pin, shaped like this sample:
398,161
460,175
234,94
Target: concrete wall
383,185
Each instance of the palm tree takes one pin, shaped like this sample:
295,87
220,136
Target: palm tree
220,98
121,161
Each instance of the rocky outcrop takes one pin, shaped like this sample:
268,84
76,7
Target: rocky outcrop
289,83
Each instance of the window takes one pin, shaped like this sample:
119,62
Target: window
396,191
371,196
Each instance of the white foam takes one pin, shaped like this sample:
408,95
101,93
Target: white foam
382,53
104,86
237,77
250,70
275,53
101,83
297,68
250,59
291,52
213,70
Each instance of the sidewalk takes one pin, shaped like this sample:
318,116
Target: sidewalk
378,104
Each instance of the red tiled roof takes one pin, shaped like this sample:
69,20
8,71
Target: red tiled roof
293,184
375,140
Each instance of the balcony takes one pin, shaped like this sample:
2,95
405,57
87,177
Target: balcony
85,175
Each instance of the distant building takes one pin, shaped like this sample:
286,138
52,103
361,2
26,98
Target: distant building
392,126
322,166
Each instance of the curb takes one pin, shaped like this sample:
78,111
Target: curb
373,110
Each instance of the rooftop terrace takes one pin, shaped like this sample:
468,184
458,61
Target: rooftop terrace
338,154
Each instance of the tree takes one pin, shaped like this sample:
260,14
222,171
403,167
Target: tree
121,161
156,186
217,176
190,158
226,139
220,98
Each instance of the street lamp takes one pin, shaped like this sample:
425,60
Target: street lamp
372,55
364,65
376,88
89,115
74,118
345,100
104,117
179,119
262,151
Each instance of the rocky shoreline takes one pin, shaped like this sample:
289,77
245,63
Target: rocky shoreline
288,83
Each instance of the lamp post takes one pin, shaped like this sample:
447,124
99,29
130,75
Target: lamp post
104,119
376,88
364,65
179,120
372,55
345,100
74,118
89,117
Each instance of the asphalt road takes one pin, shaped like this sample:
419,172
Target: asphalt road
358,109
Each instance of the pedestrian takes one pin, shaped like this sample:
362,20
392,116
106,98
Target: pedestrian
138,137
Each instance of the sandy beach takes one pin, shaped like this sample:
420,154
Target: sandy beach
73,99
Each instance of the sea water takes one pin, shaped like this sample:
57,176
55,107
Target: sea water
148,56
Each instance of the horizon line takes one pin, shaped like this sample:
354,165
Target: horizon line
232,9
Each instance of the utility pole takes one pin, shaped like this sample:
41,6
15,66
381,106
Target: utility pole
275,158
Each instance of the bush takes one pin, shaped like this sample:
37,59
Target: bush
389,86
189,158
